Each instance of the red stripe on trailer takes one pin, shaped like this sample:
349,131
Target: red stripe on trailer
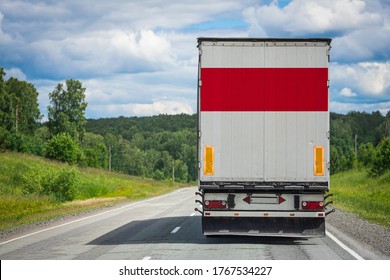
264,89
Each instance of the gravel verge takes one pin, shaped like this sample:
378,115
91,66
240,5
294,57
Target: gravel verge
374,237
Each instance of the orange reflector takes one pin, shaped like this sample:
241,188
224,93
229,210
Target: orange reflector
319,166
208,160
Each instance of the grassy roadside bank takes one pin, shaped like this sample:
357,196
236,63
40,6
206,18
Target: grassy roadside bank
94,189
367,197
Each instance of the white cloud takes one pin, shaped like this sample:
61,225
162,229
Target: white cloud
4,37
369,78
347,92
70,16
15,73
359,28
102,53
170,15
161,107
317,16
343,108
34,10
363,44
89,38
141,109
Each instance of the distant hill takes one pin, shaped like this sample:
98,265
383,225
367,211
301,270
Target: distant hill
127,126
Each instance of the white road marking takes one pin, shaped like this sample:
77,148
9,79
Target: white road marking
89,217
147,258
175,230
345,247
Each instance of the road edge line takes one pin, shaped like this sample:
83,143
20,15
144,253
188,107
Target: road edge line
345,247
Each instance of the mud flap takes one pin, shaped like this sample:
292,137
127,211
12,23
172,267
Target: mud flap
287,227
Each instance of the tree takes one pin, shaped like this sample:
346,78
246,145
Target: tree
3,100
165,164
19,110
95,151
188,155
67,110
151,159
23,105
181,171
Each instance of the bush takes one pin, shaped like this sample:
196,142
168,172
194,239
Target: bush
12,141
63,185
381,161
158,175
19,142
62,147
32,182
60,184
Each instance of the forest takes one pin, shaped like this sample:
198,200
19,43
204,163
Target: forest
161,147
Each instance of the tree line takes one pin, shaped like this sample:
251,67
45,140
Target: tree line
360,140
161,147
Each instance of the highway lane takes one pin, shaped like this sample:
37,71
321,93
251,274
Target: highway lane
163,228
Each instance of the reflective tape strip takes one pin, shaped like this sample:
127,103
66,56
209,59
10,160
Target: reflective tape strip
265,214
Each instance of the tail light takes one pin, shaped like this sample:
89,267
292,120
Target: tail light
312,205
215,204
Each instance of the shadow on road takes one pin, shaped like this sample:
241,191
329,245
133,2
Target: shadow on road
153,231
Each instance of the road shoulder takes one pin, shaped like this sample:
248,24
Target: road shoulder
369,240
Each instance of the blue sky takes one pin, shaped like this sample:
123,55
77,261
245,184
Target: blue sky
139,57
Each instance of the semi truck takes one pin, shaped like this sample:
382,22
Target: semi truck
263,136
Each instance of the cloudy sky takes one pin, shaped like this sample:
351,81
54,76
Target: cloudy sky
139,57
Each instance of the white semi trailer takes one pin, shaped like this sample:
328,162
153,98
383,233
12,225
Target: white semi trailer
263,136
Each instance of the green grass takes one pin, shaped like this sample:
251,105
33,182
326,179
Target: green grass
95,188
354,191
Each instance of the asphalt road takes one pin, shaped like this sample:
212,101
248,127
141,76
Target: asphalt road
162,228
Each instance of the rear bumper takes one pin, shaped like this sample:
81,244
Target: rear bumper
260,226
285,186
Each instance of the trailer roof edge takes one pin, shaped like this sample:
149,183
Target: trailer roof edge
235,39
